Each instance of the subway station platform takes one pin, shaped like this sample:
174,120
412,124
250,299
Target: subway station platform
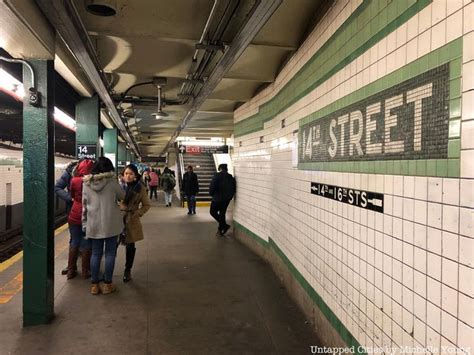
191,293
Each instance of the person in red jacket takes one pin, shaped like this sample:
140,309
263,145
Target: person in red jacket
75,223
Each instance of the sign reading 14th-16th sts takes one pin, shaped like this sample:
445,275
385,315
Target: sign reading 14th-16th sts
364,199
406,121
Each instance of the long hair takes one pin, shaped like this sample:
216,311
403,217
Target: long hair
133,187
102,165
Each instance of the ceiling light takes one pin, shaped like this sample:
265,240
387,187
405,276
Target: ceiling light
64,119
14,88
101,7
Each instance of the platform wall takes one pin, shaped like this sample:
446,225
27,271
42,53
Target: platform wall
403,71
11,187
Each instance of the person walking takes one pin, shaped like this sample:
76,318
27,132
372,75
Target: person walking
83,168
167,183
102,220
190,189
222,190
153,184
135,205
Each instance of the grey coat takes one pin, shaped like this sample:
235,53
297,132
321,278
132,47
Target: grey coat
101,214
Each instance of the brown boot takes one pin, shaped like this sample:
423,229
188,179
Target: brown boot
86,263
72,262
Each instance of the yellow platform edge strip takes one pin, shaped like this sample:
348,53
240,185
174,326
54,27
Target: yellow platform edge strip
9,262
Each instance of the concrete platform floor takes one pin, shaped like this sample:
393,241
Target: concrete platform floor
191,293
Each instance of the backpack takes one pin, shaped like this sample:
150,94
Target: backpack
168,182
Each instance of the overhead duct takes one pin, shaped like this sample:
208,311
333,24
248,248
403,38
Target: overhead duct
258,17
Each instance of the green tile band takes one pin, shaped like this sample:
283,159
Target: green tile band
368,24
345,334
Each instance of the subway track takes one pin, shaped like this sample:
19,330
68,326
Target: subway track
11,242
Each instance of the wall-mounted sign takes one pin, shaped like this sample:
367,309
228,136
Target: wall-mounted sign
406,121
364,199
198,149
86,151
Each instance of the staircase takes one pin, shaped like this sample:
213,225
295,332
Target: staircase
204,167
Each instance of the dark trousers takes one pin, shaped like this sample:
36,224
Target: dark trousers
153,191
191,203
218,210
129,255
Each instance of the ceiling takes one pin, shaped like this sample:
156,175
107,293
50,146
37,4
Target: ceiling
150,38
242,46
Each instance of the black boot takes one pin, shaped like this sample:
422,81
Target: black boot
129,257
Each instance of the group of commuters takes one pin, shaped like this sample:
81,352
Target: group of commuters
103,211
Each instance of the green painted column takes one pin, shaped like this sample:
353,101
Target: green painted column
111,145
129,156
122,155
38,199
87,128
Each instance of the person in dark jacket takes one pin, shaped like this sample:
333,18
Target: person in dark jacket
167,183
75,223
222,190
61,189
190,189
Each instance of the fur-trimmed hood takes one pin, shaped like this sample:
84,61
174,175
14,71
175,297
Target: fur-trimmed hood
98,181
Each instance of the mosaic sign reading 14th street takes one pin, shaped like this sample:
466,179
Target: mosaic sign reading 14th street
407,121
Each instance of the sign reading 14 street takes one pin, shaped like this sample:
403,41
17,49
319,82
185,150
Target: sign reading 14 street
364,199
86,151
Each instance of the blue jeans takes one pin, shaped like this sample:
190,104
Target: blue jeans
191,203
110,253
77,237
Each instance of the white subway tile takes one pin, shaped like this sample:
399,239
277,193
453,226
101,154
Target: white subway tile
435,188
449,300
465,336
451,218
434,291
434,215
450,245
450,273
466,305
468,22
434,317
466,217
454,26
434,266
467,163
466,251
451,191
449,326
467,132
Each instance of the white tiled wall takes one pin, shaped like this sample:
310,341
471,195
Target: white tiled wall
402,278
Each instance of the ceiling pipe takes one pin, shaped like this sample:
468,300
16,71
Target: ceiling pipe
258,17
65,19
204,31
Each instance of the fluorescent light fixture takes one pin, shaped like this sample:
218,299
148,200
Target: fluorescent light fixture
64,120
11,86
204,144
104,118
14,88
